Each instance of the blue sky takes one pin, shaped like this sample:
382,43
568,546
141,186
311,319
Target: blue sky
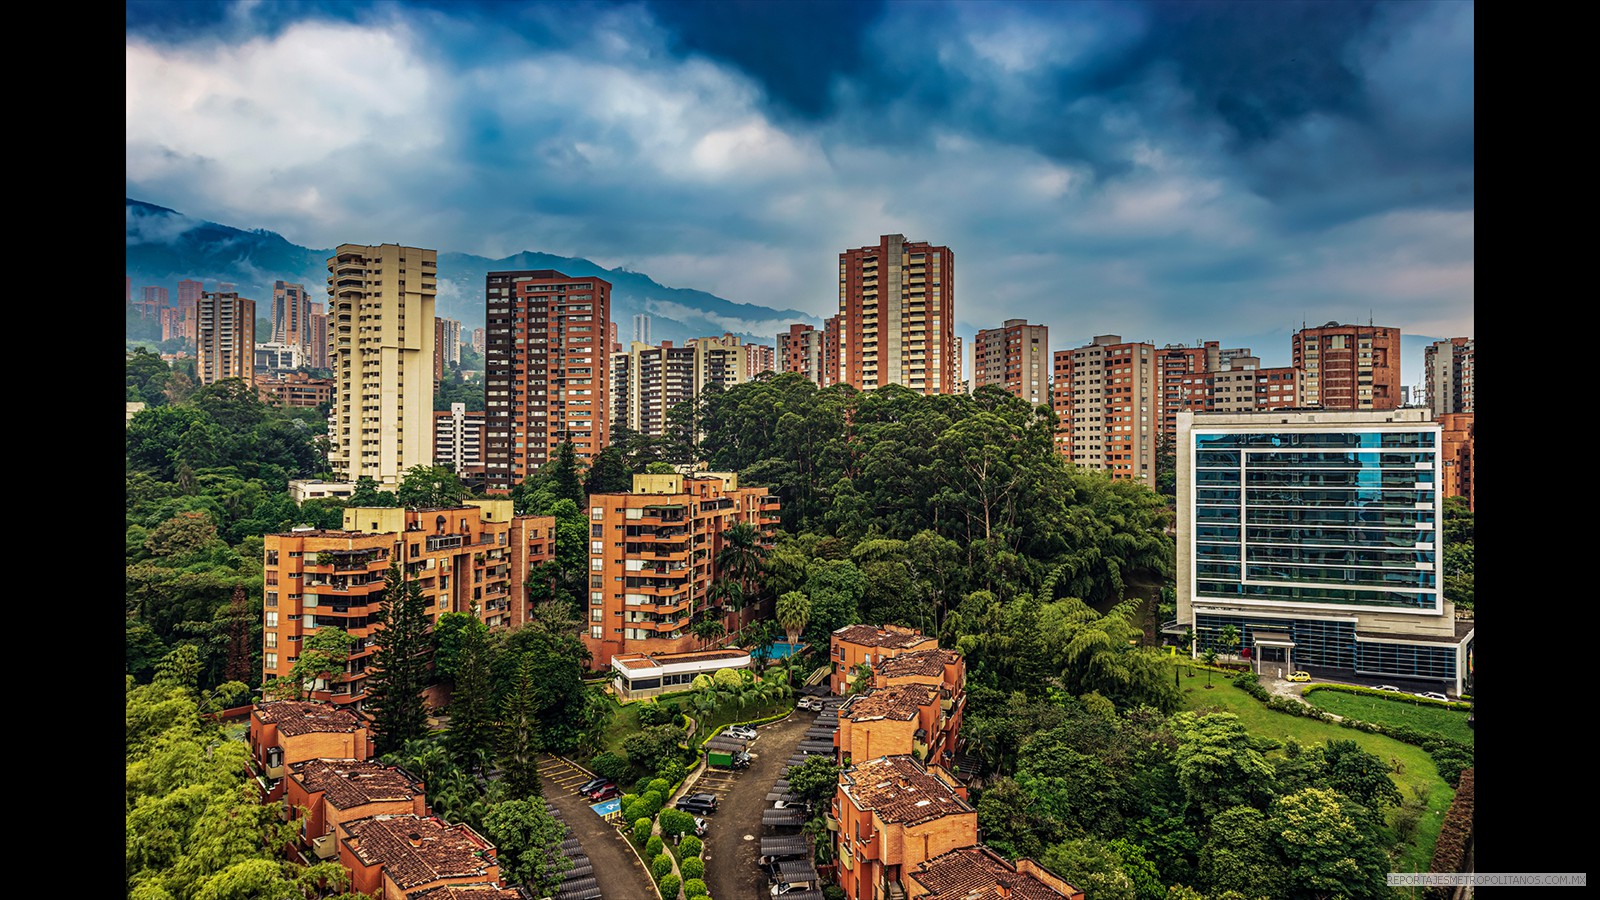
1170,172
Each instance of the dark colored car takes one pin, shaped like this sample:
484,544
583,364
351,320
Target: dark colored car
592,785
605,792
698,803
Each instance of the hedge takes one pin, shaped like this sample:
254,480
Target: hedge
694,887
690,846
1449,854
661,866
653,847
669,887
1387,695
693,867
641,831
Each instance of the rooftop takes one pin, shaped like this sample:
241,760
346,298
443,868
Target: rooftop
918,662
978,873
901,791
891,636
900,701
349,783
296,717
649,660
414,850
469,892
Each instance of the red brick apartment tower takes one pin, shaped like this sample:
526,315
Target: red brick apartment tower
291,314
189,292
800,350
897,316
547,370
1348,367
1106,399
830,351
1014,357
1173,363
759,358
226,338
1457,444
653,557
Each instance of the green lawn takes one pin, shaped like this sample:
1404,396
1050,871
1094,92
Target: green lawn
626,719
1449,723
1417,769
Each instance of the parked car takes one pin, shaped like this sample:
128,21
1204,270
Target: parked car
699,826
592,785
811,703
786,887
741,760
1433,695
605,792
699,804
742,732
1390,688
1299,676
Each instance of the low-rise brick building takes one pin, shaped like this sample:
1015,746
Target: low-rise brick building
401,857
865,645
325,793
888,721
891,816
285,732
978,873
938,668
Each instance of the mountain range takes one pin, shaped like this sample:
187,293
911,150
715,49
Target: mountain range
165,246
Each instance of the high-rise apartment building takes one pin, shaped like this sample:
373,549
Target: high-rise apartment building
832,373
546,370
1106,395
317,339
291,314
1241,385
647,382
479,336
479,554
1175,363
189,292
380,336
1317,535
1014,357
759,358
963,383
653,556
1458,443
1448,373
226,338
1348,367
458,442
897,316
446,346
800,350
641,328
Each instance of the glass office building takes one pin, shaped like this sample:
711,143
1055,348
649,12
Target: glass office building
1317,536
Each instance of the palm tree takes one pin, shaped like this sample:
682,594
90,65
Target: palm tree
1210,657
707,630
741,558
794,614
1230,638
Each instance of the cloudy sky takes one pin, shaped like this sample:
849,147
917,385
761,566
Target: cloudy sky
1167,171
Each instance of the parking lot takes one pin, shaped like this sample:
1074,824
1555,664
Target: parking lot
733,838
615,867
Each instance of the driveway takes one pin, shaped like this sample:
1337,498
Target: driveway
616,868
733,835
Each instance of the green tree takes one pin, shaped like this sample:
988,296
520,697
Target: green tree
1218,764
794,613
528,840
323,656
520,742
1092,866
1230,638
814,780
430,487
394,688
1359,775
472,704
1239,855
565,478
1328,847
610,472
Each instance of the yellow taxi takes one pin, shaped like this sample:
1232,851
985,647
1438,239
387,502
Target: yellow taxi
1299,676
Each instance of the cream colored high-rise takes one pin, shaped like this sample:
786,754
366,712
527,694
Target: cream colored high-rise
380,346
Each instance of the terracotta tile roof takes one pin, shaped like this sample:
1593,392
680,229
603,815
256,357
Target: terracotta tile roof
901,791
294,717
978,873
415,851
899,702
468,892
918,662
869,636
349,783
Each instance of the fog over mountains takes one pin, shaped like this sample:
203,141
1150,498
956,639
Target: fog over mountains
165,246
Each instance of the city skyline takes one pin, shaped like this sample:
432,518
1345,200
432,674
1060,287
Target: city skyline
1167,172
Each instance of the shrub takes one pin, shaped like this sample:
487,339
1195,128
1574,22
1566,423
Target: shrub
661,786
642,785
694,887
689,847
671,773
676,821
641,830
669,887
693,867
654,846
653,713
661,866
833,892
610,765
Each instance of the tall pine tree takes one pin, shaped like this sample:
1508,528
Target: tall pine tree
520,741
394,691
472,712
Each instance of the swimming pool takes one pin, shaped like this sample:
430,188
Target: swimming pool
779,650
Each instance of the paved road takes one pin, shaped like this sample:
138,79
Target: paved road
616,869
731,870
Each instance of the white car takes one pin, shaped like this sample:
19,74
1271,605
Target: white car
699,826
742,732
811,703
784,887
1389,688
1433,695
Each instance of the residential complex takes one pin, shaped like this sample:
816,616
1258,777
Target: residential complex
399,857
1458,443
1107,399
1348,367
809,351
458,437
296,390
290,315
654,554
225,337
333,791
978,872
380,311
855,649
759,358
1448,375
477,555
897,316
1318,536
1014,357
546,370
283,733
892,815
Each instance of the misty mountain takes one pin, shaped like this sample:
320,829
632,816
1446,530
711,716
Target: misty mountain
165,246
